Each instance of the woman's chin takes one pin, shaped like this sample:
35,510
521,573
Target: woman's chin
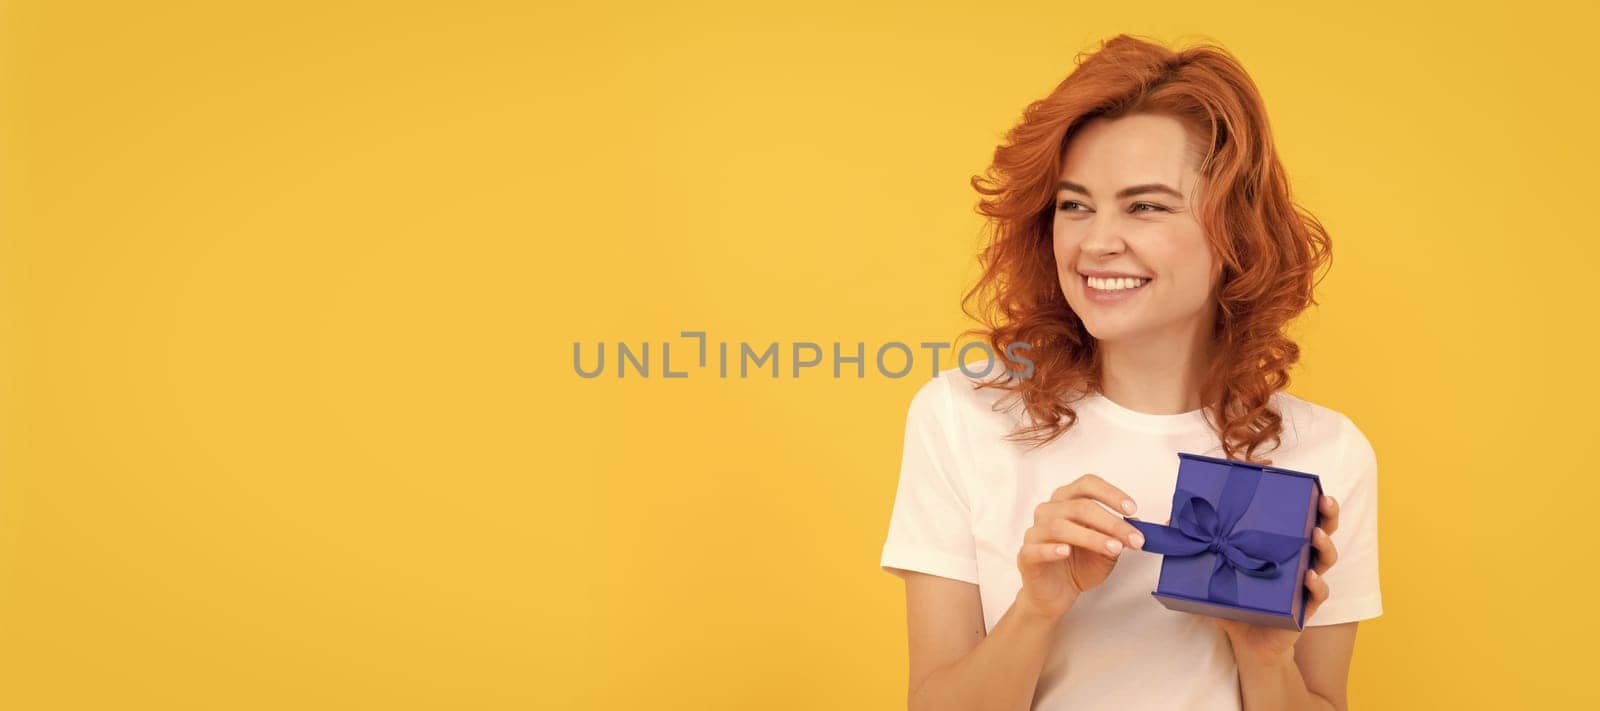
1112,330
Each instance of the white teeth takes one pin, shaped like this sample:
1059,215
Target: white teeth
1116,283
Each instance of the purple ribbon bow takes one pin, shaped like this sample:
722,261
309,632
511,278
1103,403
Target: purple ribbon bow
1201,528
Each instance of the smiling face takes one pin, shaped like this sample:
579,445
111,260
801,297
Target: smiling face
1125,210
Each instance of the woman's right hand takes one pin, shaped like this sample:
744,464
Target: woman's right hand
1073,544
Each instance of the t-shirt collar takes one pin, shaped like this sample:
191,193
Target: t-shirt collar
1105,407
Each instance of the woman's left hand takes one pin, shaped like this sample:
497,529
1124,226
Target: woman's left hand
1257,642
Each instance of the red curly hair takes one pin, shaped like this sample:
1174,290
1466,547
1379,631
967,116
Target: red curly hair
1268,248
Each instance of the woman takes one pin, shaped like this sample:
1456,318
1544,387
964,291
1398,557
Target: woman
1146,256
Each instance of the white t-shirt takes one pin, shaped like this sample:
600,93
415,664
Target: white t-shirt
966,495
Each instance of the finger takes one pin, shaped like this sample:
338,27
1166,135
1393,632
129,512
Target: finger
1067,531
1090,486
1037,533
1091,514
1319,592
1330,514
1038,553
1050,510
1327,555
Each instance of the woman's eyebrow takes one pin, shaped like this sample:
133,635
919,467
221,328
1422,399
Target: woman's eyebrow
1125,192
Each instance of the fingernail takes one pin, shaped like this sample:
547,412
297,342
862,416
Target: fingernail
1138,540
1114,545
1063,550
1129,507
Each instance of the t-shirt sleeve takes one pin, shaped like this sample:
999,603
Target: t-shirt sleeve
930,527
1353,580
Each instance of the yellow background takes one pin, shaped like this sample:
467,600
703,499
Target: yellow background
290,292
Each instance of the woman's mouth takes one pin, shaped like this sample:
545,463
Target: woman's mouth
1113,289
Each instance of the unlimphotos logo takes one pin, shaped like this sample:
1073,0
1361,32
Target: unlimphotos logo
802,356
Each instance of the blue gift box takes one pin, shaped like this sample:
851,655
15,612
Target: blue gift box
1239,542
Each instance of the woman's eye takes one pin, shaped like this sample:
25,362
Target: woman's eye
1153,207
1069,206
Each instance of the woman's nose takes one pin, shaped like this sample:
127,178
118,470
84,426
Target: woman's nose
1103,238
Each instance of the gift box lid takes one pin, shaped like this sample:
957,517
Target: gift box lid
1264,468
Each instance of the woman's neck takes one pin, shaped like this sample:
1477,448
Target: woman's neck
1157,375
